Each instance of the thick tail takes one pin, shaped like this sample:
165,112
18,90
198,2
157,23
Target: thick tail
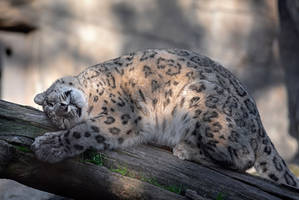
270,165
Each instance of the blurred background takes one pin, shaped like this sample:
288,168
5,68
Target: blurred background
258,40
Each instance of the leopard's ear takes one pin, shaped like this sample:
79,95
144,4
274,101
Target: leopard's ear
39,98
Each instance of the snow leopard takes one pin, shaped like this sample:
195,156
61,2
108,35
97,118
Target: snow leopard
173,97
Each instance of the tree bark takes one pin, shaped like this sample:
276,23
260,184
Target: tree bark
289,49
147,171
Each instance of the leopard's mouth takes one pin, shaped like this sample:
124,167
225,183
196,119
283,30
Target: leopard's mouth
71,117
74,111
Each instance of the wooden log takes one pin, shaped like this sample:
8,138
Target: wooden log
147,171
80,180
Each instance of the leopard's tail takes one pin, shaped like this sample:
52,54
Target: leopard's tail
270,165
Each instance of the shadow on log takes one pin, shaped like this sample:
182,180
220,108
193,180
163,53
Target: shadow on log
143,172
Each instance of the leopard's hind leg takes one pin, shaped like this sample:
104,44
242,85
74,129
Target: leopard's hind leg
219,126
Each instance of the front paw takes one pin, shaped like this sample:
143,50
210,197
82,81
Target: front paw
181,152
49,147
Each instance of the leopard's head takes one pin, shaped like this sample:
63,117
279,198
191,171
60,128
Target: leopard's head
63,102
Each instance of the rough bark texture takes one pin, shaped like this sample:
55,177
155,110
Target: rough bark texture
78,179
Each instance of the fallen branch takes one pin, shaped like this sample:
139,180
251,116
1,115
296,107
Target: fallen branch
143,172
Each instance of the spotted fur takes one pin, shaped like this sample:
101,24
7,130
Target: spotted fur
173,97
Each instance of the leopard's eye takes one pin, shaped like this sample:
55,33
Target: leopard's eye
51,104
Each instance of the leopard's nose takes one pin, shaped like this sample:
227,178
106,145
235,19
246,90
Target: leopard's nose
64,106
